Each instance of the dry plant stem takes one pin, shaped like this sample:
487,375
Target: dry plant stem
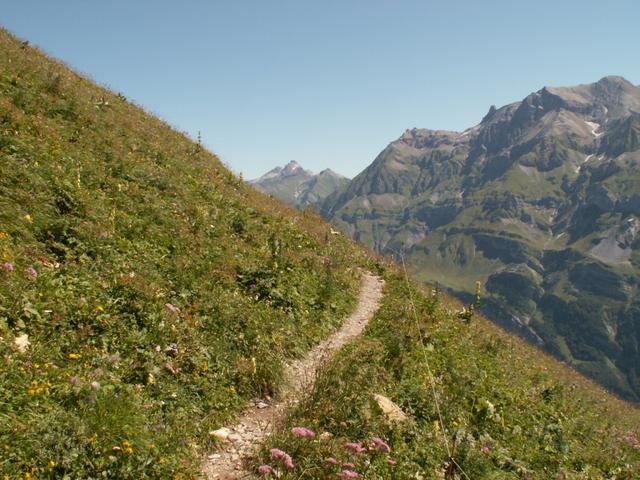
253,427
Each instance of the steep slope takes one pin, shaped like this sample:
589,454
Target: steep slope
541,202
299,187
146,294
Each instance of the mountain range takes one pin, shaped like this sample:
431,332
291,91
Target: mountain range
299,187
540,202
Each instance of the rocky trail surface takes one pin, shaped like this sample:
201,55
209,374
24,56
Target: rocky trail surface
241,441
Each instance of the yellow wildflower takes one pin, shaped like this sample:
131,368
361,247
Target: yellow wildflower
126,446
74,356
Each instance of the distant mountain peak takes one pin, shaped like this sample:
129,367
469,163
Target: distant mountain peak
330,173
291,167
615,80
299,187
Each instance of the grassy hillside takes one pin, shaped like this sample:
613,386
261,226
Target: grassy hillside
146,293
481,404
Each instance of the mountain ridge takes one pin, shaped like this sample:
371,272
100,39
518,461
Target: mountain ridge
547,178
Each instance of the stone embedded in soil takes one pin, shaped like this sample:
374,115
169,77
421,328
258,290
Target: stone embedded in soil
392,411
221,434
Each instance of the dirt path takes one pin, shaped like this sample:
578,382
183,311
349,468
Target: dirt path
253,427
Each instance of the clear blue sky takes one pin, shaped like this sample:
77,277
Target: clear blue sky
329,83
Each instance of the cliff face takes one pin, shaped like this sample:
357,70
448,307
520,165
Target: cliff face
540,201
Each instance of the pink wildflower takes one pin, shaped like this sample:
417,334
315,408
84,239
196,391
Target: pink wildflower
264,469
347,474
277,453
381,444
285,457
331,461
31,272
391,462
172,309
355,447
7,267
348,466
302,432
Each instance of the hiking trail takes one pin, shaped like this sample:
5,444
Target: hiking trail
243,440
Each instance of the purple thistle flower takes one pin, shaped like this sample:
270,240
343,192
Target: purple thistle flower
31,272
348,466
381,444
264,469
7,267
347,474
331,461
302,432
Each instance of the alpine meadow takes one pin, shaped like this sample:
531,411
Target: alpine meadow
149,297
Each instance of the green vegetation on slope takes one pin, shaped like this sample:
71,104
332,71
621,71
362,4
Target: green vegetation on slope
145,292
508,411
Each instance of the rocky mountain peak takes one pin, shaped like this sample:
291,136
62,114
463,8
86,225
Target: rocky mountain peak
615,81
490,113
299,187
291,168
327,172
